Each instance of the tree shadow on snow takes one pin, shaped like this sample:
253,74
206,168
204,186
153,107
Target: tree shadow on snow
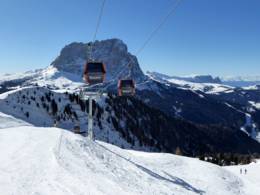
171,179
184,184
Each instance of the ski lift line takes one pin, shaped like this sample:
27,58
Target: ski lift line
99,19
152,34
119,72
109,83
97,26
163,21
128,64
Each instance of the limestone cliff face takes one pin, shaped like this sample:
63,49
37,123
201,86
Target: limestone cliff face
112,52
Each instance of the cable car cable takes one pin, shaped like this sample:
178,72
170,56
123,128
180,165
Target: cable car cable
91,65
152,34
164,20
97,26
149,38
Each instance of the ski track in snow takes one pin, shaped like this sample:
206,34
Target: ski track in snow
33,164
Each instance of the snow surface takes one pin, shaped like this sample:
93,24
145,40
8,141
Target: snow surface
48,77
255,104
21,75
7,121
252,87
53,161
252,175
63,81
209,88
15,103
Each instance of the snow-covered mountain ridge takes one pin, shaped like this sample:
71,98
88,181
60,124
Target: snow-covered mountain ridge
63,110
243,100
206,84
117,121
192,78
235,81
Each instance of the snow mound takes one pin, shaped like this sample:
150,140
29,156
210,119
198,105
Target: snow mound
53,161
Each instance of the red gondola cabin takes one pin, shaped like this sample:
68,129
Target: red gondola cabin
126,87
94,73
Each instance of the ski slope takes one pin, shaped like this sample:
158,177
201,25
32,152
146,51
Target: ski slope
252,175
42,161
7,121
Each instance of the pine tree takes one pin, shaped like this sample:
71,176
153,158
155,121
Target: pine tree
27,114
54,107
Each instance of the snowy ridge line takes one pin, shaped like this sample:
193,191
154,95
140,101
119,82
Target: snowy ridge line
208,88
31,103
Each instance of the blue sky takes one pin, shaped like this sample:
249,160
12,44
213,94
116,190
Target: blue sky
218,37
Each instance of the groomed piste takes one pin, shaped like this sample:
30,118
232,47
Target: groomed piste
36,160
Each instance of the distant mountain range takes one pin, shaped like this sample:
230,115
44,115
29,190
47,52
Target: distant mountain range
235,81
241,81
187,109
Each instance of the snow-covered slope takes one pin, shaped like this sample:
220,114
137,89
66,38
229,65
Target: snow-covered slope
21,75
117,121
7,121
190,78
255,105
35,105
53,161
49,77
252,172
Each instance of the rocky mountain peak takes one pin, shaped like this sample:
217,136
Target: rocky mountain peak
194,79
112,52
205,79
